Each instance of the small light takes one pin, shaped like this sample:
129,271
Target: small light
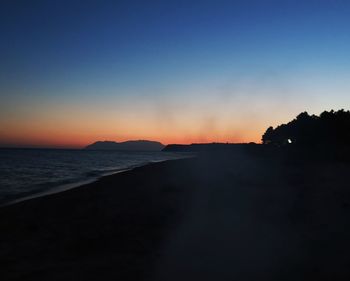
289,141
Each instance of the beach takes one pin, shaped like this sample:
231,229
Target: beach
242,215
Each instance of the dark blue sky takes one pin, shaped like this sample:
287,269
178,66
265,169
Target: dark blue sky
163,63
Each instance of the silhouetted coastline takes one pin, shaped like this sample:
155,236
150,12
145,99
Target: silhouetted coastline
204,147
320,137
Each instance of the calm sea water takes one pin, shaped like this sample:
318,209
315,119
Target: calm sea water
26,172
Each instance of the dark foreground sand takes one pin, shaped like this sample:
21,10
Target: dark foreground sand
234,216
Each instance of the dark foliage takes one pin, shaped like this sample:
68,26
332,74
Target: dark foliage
330,128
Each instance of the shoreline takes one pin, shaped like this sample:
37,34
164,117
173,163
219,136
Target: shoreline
113,226
73,185
62,188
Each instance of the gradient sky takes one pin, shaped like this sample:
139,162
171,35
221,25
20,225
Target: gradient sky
73,72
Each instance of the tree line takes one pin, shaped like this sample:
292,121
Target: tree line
329,128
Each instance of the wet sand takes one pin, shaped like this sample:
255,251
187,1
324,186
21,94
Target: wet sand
225,216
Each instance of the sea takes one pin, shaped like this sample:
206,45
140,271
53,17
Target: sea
28,173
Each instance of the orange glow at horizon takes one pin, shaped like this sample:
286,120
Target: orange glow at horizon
77,134
76,140
75,125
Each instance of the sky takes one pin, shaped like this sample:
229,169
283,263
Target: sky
74,72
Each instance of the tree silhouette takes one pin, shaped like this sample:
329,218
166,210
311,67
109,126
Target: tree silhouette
330,128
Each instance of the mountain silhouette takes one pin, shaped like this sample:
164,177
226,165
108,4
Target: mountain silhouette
133,145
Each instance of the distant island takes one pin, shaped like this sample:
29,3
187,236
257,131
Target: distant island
133,145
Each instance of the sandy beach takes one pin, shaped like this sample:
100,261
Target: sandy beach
222,216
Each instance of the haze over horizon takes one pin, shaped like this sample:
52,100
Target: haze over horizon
74,72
